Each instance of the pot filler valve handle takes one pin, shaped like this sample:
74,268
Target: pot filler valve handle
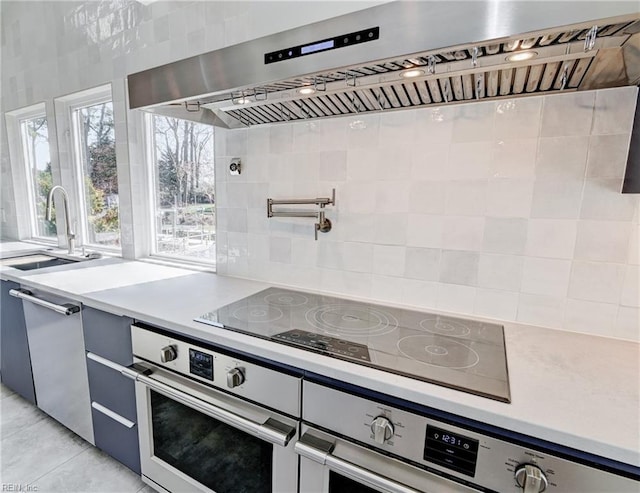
531,478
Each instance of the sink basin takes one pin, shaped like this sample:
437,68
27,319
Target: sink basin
39,261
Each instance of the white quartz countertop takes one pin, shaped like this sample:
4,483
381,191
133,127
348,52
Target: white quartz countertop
577,390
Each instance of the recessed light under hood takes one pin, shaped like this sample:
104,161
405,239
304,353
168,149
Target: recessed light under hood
458,51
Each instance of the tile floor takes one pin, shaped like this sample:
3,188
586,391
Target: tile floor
39,454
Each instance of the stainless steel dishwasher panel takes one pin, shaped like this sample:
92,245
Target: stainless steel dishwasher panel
56,344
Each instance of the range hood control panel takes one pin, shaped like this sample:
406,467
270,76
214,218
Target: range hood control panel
327,44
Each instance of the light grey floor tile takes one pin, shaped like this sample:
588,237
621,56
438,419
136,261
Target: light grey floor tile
5,391
91,471
146,489
36,450
17,414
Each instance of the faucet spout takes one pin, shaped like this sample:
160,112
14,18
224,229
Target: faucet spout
71,237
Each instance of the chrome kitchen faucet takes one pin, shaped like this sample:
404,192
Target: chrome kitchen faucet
71,237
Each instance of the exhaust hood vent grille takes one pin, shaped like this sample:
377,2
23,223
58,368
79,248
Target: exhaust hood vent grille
561,60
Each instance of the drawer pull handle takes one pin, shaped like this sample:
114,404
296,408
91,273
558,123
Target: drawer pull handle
105,362
115,416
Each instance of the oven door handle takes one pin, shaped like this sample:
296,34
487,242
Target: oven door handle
271,431
319,450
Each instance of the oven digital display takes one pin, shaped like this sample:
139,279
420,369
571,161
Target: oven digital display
451,450
201,364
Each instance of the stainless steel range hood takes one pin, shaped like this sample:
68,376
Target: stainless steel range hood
460,51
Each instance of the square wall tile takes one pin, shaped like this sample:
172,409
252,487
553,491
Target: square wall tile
389,260
596,281
469,160
557,198
518,118
357,257
567,114
627,324
435,125
500,272
387,289
631,286
505,235
590,317
422,263
457,267
514,158
507,197
474,122
393,196
546,276
602,200
562,157
554,238
462,233
432,164
605,241
614,110
465,197
361,164
424,230
391,229
427,197
422,294
608,156
493,303
455,298
546,311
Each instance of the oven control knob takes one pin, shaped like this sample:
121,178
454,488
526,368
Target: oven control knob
531,478
168,353
235,377
382,429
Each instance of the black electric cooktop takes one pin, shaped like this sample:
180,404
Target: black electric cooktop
453,352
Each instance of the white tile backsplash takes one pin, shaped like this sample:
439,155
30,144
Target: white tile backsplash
494,215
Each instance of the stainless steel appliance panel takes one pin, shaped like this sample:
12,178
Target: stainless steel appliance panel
326,459
495,463
251,381
56,345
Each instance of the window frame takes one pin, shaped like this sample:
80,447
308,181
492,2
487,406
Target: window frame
150,159
68,119
20,169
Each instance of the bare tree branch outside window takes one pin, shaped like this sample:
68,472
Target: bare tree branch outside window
184,194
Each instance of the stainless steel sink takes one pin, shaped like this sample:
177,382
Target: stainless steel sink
37,261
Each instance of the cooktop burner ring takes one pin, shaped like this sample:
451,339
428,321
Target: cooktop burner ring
286,299
437,351
258,313
445,326
342,319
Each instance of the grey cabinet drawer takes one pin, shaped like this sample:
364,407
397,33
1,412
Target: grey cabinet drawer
117,440
110,388
107,335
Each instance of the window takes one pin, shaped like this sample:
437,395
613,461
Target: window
97,175
183,202
34,133
28,142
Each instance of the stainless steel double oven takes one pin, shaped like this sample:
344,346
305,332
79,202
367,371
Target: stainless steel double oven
214,422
